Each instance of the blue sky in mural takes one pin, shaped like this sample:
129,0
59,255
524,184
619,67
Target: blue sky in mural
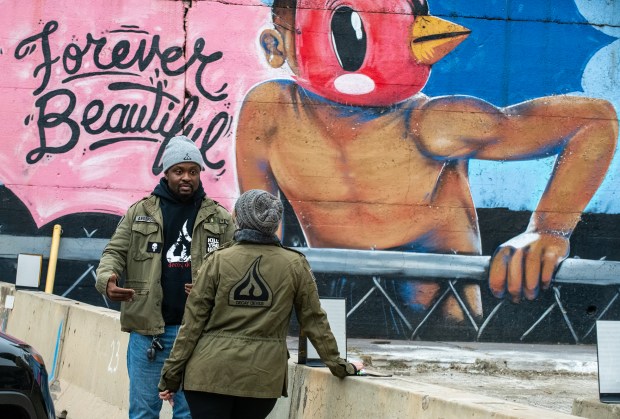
521,50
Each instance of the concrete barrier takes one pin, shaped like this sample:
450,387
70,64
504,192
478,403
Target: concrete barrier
83,349
594,409
85,352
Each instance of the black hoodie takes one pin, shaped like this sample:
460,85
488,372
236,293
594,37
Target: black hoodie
176,269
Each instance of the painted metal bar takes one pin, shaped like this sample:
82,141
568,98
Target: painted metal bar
383,263
462,304
428,314
394,306
77,281
359,303
489,317
85,249
545,314
556,294
430,265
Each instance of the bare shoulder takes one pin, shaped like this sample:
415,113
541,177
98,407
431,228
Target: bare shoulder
271,91
457,103
263,109
450,117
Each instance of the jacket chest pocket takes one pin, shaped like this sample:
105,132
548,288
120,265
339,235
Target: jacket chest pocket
213,235
146,241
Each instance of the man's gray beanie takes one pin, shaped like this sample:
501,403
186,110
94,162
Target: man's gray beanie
258,210
181,149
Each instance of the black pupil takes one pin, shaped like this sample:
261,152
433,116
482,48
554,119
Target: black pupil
349,38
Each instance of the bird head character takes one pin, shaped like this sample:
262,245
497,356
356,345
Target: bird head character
359,52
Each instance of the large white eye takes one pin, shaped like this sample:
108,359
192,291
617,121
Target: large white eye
348,38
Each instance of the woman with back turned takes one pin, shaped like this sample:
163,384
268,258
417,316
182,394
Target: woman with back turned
230,354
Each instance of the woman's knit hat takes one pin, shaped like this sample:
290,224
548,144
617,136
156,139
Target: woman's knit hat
258,210
181,149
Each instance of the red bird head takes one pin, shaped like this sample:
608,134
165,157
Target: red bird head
366,52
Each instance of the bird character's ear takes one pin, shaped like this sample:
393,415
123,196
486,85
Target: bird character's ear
273,47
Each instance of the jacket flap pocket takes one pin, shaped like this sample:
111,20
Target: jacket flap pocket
145,228
136,284
213,228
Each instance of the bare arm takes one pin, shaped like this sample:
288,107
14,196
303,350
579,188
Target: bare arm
253,140
254,136
582,132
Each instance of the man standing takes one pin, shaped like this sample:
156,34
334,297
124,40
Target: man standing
160,245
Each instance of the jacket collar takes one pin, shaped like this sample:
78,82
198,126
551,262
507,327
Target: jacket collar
255,236
208,207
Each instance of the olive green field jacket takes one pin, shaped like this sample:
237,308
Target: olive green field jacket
233,336
136,249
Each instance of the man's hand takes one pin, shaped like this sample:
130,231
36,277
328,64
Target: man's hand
188,288
116,293
526,263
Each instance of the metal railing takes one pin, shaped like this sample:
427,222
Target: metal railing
455,268
381,264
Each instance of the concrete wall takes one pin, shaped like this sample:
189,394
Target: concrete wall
452,150
84,351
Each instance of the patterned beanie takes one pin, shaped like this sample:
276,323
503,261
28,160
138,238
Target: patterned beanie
258,210
181,149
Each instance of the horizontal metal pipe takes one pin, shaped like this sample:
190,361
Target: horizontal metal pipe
432,265
384,263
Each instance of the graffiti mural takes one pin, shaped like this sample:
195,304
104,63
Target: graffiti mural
102,101
368,163
391,130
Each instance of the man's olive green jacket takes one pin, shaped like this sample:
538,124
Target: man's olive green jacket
136,249
233,337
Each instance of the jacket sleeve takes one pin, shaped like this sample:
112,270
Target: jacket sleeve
197,312
314,323
114,257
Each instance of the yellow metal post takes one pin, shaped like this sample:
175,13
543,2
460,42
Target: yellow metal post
51,267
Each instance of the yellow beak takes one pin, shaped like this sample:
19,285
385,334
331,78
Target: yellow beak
432,38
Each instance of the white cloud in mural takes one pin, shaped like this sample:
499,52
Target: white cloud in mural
600,79
604,13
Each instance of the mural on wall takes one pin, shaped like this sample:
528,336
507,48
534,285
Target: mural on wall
368,162
97,103
335,106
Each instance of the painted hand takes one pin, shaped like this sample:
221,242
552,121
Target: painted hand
525,264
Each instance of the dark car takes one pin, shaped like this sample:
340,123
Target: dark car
24,390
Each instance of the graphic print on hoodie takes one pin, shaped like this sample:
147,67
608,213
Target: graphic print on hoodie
176,269
179,254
